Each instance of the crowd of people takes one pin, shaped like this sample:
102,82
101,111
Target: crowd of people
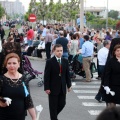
61,43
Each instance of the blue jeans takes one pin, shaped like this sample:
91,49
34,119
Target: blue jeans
101,69
29,42
65,55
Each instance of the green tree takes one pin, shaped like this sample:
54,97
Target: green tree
2,11
113,14
90,16
26,16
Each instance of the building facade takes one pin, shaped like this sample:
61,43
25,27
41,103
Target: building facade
11,8
97,11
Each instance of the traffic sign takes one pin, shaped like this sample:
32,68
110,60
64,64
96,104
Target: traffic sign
32,18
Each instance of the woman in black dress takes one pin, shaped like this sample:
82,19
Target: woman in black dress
14,86
112,77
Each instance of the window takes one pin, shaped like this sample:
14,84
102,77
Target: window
98,13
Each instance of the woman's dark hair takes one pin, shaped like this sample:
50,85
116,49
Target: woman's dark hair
98,31
71,35
38,38
74,36
65,33
77,35
86,37
92,37
107,33
110,114
114,42
115,48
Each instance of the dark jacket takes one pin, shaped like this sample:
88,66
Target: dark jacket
2,32
64,42
112,74
52,80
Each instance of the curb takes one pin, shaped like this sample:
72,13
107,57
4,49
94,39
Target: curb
35,58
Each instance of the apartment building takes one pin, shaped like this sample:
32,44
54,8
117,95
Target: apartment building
13,7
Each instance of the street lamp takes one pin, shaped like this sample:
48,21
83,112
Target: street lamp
107,16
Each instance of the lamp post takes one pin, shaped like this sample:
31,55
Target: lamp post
81,15
107,16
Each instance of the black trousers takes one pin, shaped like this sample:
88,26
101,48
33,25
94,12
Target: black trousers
30,50
56,104
99,94
39,52
98,68
48,49
2,37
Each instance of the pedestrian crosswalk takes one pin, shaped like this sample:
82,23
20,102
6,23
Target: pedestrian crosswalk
94,112
86,92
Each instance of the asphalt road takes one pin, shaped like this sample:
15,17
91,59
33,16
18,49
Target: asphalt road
81,104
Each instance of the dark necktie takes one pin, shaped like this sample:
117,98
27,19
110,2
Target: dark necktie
58,61
60,67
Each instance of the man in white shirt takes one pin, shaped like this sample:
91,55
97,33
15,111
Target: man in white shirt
41,47
102,56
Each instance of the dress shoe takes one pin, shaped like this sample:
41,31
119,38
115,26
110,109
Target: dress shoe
99,78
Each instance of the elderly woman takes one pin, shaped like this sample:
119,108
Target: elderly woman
41,47
13,85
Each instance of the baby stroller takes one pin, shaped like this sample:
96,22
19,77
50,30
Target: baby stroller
30,72
77,66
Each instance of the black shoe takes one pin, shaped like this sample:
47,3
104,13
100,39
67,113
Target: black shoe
99,78
98,97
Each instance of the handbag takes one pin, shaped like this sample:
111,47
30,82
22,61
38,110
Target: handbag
93,67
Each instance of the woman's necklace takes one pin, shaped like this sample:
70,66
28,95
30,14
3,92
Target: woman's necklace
15,81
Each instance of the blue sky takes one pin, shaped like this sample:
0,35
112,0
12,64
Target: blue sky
113,4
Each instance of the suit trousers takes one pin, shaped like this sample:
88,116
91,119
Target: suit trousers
86,66
48,49
56,104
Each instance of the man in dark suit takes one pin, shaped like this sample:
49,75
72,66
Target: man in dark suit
56,78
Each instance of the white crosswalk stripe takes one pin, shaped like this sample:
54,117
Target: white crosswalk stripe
85,86
90,83
93,104
86,92
94,112
86,97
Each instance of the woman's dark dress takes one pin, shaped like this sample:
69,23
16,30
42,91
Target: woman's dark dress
112,79
17,109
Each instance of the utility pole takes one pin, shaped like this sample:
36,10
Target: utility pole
81,15
107,16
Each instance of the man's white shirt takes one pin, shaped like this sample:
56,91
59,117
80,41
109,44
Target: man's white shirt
102,56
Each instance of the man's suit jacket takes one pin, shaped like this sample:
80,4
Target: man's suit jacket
52,80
